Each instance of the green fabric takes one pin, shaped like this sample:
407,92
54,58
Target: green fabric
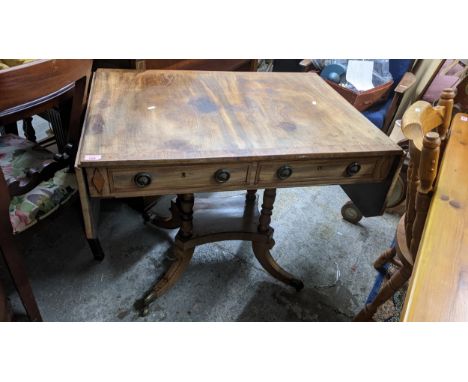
17,155
27,209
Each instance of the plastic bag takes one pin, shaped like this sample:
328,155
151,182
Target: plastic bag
380,75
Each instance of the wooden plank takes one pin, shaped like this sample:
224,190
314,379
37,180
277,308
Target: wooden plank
183,117
439,286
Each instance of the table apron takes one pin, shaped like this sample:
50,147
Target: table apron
123,181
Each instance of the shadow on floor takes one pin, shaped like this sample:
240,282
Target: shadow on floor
273,302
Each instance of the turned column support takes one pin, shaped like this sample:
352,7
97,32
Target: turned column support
185,202
188,238
267,210
427,174
446,100
251,195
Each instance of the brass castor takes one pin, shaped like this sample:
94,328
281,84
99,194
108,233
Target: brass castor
351,213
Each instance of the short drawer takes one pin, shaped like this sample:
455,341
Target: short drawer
332,171
173,178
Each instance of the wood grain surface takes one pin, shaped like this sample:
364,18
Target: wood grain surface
439,286
183,117
36,81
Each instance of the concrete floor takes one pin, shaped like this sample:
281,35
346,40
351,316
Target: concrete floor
224,282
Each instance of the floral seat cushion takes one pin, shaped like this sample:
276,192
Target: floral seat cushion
17,156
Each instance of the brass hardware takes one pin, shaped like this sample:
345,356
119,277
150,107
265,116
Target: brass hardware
353,169
222,175
284,172
142,179
149,298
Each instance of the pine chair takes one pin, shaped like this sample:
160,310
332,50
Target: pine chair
34,182
427,128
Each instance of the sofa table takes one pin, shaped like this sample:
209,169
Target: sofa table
165,132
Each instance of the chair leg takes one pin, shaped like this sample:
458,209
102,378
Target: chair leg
384,258
17,269
397,280
5,312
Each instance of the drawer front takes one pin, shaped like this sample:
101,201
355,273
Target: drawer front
334,171
173,178
160,180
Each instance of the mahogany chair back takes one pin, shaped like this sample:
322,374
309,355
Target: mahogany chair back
38,81
35,86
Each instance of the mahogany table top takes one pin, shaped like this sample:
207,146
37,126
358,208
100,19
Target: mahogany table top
161,116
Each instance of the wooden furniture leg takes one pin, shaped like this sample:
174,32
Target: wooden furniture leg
182,254
262,248
90,209
96,249
28,129
251,194
5,312
218,219
384,258
395,282
13,259
17,269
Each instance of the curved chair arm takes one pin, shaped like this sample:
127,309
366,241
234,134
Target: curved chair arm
422,113
420,118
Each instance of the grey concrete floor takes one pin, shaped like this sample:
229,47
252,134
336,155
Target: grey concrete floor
223,282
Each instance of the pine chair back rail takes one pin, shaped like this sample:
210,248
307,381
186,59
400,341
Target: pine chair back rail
427,129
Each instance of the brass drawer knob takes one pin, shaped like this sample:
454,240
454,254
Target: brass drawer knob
222,175
284,172
142,179
353,169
